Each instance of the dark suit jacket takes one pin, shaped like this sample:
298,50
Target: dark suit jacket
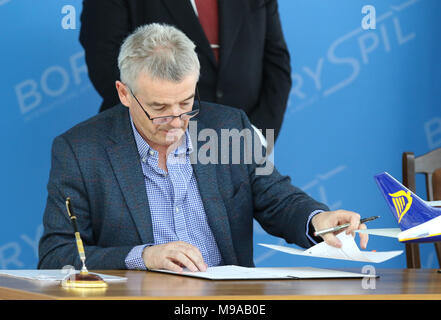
254,73
97,165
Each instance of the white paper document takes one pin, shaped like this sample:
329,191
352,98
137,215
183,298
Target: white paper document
348,251
232,272
52,275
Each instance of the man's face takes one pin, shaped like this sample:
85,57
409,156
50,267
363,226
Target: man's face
161,98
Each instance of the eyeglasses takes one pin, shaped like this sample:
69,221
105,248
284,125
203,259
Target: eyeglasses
167,119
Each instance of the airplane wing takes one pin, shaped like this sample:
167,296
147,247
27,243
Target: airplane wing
434,203
388,232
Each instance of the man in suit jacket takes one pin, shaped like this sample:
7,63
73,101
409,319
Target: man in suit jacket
145,195
253,72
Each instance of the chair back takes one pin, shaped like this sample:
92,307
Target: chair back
428,164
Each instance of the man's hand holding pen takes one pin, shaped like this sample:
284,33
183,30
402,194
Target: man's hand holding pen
330,219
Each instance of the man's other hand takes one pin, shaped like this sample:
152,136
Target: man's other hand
174,256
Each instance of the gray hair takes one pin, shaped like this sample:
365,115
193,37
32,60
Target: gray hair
159,50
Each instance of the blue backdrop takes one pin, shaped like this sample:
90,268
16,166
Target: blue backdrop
359,99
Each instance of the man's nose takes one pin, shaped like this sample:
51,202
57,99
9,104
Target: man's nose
176,122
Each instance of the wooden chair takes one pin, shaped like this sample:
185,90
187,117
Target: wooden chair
428,164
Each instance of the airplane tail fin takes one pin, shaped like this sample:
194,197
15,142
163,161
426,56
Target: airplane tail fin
409,209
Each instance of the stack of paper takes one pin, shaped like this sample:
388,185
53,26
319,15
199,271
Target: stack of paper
52,275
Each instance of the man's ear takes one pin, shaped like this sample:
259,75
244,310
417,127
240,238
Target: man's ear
123,93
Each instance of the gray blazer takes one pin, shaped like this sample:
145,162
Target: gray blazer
97,165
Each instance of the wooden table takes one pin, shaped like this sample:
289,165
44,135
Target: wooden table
393,284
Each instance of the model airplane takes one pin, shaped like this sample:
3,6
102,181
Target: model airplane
419,221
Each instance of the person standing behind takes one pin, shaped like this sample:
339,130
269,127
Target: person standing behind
244,59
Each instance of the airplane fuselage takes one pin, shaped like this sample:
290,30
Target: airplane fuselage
428,231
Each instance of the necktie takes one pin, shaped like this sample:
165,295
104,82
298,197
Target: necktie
208,13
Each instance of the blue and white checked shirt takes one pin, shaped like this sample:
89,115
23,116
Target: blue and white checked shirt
175,204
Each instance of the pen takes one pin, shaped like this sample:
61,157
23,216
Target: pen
342,226
80,246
